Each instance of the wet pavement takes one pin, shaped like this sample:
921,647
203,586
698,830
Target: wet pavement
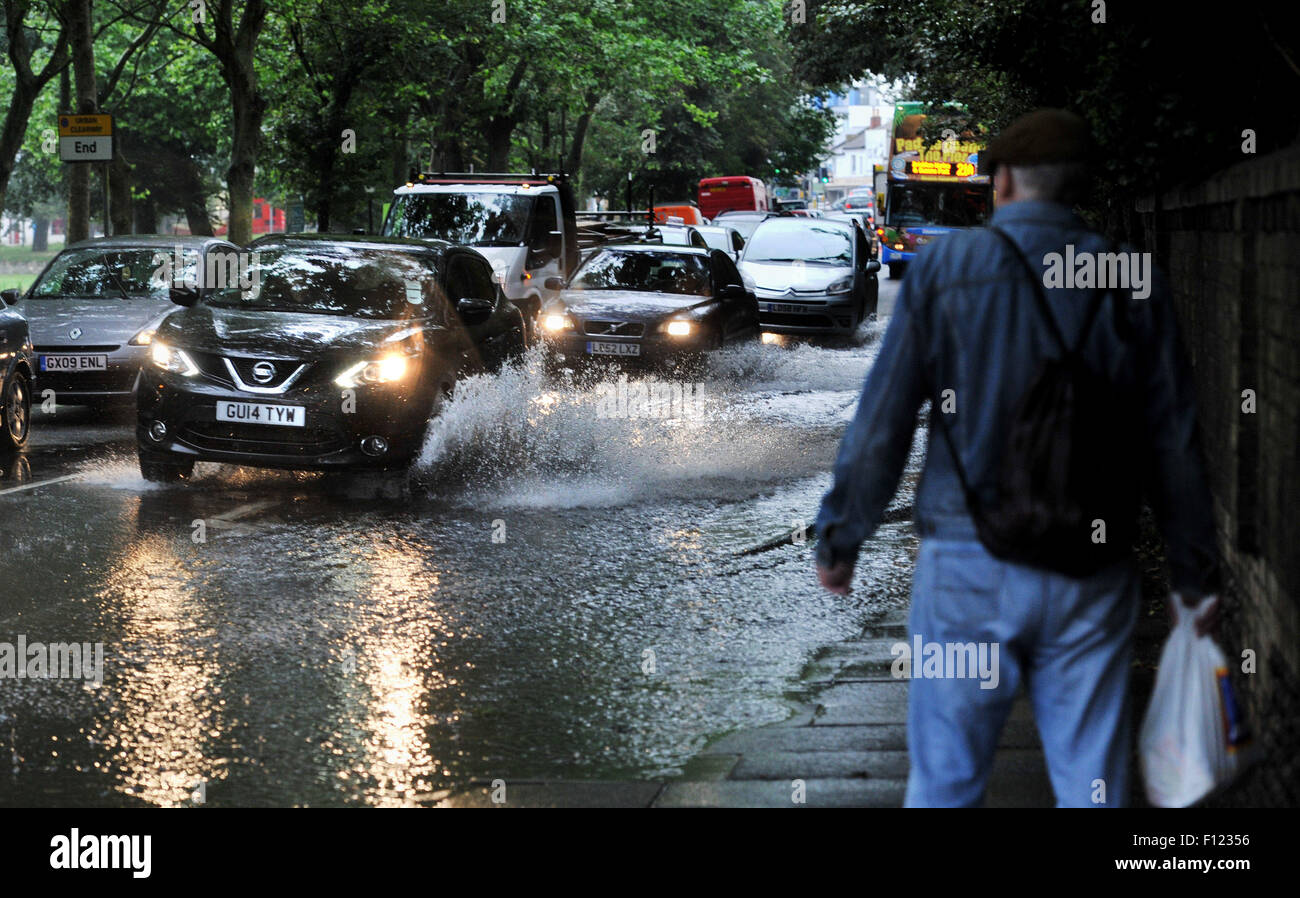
562,599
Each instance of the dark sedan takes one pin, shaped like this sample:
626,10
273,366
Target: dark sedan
651,304
17,369
335,358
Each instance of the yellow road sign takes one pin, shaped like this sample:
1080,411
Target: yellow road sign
85,125
85,138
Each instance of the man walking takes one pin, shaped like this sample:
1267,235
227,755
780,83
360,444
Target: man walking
972,331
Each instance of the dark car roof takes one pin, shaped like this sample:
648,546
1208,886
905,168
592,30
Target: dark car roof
429,245
127,241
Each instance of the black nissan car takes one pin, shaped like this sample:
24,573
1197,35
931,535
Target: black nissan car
331,353
649,303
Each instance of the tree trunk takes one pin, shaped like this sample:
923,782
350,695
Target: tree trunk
119,189
27,86
12,133
574,163
81,39
41,235
146,216
196,216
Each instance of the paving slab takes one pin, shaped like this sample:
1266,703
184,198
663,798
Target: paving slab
559,794
788,765
823,793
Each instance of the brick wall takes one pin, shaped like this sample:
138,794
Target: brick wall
1231,248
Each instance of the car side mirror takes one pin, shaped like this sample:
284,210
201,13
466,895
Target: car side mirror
473,310
732,291
184,296
553,283
10,296
872,265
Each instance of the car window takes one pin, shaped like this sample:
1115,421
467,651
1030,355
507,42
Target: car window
333,279
110,273
544,222
478,219
724,270
801,240
659,272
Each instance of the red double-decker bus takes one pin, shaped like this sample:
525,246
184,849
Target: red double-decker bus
734,193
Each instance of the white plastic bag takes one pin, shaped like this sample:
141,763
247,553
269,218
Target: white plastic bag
1192,729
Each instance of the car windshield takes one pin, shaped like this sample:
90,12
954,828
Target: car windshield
717,239
104,273
744,224
945,205
682,273
801,240
473,219
364,282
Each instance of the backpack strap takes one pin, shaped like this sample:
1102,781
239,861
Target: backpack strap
1040,297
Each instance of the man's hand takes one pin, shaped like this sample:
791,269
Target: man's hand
1208,623
837,577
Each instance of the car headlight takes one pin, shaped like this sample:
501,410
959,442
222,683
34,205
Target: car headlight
383,370
555,322
174,360
843,285
679,328
144,338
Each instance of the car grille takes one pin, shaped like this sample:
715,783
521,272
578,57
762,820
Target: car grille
220,436
120,381
600,328
283,369
786,319
213,368
80,350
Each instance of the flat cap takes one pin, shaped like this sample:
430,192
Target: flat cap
1038,137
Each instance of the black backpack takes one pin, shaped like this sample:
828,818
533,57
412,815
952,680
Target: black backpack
1067,489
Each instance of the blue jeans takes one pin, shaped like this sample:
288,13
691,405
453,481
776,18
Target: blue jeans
1069,641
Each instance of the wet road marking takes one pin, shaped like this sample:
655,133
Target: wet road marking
230,520
39,483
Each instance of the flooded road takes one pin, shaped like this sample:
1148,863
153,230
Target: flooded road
562,599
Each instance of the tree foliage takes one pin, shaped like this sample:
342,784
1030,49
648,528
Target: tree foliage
216,102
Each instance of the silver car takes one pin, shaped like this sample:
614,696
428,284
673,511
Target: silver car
811,275
94,309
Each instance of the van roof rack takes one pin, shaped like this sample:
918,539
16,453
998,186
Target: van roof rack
418,177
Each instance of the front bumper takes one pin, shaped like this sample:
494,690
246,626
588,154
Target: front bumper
574,349
329,439
825,314
115,383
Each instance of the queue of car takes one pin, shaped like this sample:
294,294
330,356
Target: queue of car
333,353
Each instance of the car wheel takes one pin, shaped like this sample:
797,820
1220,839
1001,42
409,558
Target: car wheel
16,411
156,471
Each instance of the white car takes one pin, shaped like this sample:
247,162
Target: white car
523,223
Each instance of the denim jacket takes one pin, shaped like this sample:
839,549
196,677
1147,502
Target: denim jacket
966,320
